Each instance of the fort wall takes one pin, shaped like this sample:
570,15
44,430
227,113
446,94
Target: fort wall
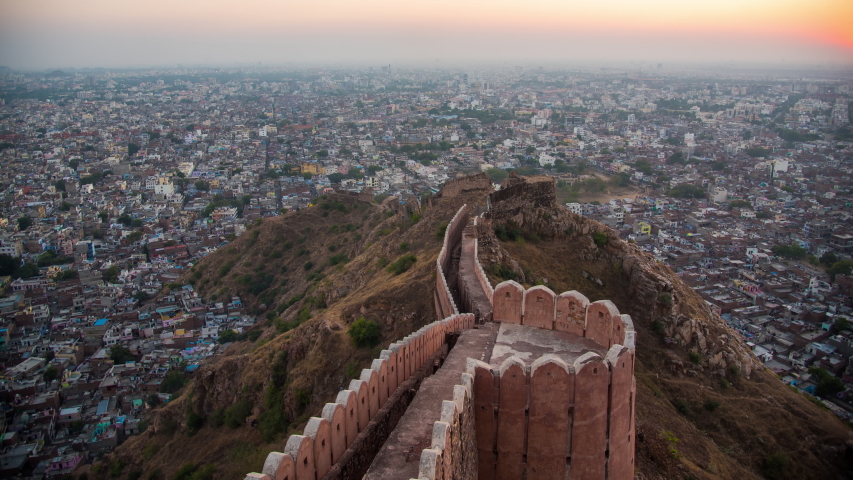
546,419
482,278
342,441
445,306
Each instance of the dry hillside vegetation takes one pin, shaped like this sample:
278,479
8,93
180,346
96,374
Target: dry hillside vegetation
308,275
697,417
705,406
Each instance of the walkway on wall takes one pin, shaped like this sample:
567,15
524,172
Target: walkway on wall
399,456
473,297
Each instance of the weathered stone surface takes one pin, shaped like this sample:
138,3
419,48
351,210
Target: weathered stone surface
539,303
512,420
551,396
509,302
620,463
279,466
319,429
334,413
589,431
571,313
301,449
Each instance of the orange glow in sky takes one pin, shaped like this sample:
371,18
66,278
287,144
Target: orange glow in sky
334,30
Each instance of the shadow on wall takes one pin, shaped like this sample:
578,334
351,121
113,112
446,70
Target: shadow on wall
326,438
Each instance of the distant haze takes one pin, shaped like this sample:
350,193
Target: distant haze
39,34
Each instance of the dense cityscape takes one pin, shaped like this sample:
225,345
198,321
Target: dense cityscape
114,183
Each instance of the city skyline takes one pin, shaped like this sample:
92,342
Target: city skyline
95,33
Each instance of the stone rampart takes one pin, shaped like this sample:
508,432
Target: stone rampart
452,453
471,183
543,421
337,444
444,303
569,312
546,419
482,278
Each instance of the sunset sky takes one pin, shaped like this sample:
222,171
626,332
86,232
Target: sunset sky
37,34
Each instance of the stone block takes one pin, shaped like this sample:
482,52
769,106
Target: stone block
371,378
336,416
571,313
512,420
539,303
486,388
620,463
348,400
362,399
508,302
301,449
380,366
599,322
589,429
549,429
279,466
320,432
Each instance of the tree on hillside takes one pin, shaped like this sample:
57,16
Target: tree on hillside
120,354
24,223
8,264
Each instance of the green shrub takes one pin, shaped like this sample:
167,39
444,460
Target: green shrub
775,466
338,259
711,404
382,262
173,381
402,264
150,450
308,265
194,423
236,414
695,357
600,239
404,246
303,399
658,326
724,384
665,299
365,333
116,468
439,232
134,475
186,471
217,418
353,370
683,407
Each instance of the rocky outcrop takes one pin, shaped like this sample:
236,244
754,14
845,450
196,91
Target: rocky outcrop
654,295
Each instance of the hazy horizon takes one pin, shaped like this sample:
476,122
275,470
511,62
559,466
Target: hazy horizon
42,34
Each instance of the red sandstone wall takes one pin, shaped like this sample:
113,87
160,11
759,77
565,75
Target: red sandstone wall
444,304
325,438
569,312
481,274
531,418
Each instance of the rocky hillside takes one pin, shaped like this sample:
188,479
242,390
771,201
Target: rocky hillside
309,275
706,408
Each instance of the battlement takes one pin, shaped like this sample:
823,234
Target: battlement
342,441
552,396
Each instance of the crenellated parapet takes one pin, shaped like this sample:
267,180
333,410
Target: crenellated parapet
570,312
543,420
482,278
444,303
566,415
333,437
